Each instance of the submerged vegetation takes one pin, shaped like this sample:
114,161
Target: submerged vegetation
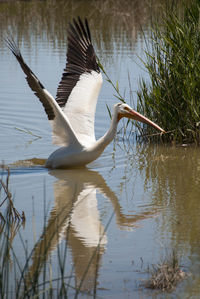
172,98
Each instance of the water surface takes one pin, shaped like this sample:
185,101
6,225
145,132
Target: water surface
127,210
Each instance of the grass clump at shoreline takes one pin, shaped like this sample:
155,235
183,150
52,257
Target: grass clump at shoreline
172,97
166,275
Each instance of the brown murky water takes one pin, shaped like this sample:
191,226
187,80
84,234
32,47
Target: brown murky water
129,209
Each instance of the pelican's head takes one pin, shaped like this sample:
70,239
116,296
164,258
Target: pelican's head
124,110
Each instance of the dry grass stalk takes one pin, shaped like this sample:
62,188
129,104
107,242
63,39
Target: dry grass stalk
12,213
166,275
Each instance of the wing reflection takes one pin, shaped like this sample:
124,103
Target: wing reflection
75,218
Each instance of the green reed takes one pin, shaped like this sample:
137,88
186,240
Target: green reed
172,97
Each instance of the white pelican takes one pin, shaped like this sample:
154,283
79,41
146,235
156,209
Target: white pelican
72,113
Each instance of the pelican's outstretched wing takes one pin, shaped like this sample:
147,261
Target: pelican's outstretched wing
81,81
63,133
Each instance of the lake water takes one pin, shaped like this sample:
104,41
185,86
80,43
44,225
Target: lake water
129,209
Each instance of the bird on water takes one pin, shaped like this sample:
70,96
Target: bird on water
72,113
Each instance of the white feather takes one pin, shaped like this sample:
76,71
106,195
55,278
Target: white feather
81,106
62,129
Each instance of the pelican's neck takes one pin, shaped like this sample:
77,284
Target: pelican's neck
110,134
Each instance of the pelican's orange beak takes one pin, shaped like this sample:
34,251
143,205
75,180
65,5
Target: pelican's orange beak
139,117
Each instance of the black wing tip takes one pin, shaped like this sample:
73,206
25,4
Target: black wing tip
79,36
81,58
31,78
80,21
88,29
81,27
11,44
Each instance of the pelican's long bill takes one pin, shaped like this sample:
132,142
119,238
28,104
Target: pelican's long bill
139,117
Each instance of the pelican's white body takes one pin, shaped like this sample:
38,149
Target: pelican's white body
76,133
72,114
72,156
69,156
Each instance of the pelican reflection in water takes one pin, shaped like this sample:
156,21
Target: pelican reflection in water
75,218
